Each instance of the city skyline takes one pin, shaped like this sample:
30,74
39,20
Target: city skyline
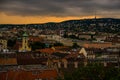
37,11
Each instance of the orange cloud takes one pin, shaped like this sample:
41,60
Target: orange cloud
11,19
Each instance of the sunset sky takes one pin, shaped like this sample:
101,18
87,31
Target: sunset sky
42,11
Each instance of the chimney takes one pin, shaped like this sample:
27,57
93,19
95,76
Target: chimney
76,64
85,62
59,64
65,64
105,64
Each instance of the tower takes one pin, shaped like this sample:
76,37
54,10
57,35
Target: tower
3,43
25,46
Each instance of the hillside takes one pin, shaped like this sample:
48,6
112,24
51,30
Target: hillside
110,25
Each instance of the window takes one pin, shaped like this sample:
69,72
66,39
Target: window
38,79
25,41
25,47
52,79
36,72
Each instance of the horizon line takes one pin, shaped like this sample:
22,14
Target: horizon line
55,21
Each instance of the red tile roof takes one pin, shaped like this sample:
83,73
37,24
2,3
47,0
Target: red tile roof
53,49
35,38
47,50
9,61
31,74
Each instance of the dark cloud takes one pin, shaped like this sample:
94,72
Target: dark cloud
60,7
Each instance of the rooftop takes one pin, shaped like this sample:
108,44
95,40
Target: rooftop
25,34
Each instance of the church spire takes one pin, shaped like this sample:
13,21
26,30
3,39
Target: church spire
25,47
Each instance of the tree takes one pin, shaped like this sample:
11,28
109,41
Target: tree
58,44
75,45
11,42
37,45
93,71
65,35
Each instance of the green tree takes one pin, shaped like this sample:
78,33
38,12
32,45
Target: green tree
94,71
37,45
58,44
75,45
11,42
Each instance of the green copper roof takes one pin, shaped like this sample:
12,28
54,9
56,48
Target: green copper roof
25,34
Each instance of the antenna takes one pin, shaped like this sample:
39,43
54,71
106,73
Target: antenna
95,17
25,29
95,14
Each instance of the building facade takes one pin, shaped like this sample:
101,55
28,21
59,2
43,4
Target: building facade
25,47
3,42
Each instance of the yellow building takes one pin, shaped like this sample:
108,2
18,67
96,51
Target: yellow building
98,45
3,42
25,46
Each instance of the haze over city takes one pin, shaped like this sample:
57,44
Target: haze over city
42,11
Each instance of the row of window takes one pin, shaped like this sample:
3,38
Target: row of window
38,79
44,79
3,41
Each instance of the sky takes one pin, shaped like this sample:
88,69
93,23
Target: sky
42,11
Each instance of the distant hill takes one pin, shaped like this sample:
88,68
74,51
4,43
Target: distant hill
101,25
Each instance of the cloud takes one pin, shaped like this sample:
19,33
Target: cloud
60,8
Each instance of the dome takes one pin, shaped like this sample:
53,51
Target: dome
25,34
